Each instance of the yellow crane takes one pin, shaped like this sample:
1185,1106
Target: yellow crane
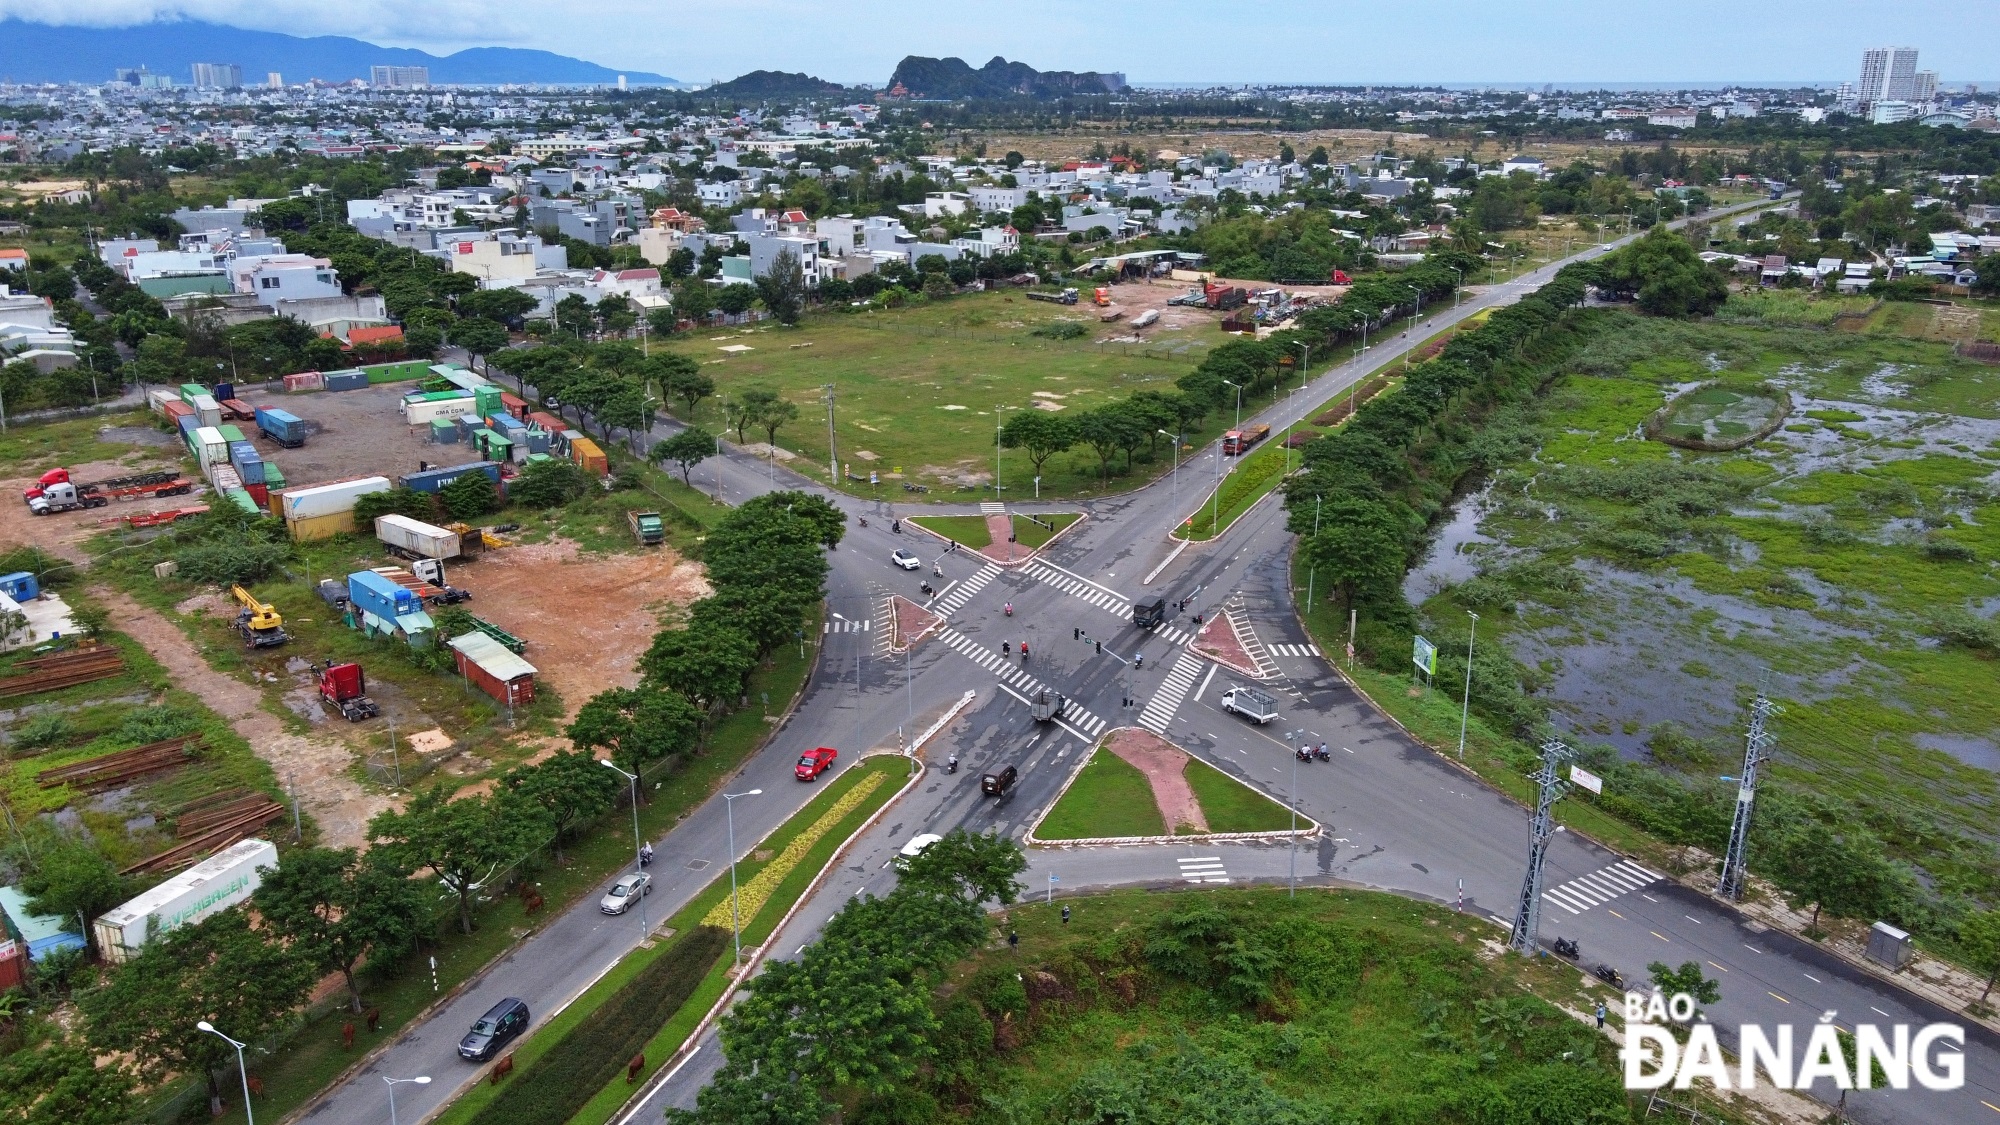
259,621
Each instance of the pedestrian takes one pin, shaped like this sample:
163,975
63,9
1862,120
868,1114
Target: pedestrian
1065,914
1600,1015
1014,942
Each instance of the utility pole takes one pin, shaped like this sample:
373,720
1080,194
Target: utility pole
1528,912
832,452
1755,751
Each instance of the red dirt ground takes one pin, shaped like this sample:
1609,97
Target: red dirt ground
1218,641
1163,764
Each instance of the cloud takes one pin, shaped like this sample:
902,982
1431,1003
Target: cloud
446,24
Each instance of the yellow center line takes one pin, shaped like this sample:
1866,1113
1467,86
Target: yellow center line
1614,914
1779,997
1659,935
1989,1105
1724,968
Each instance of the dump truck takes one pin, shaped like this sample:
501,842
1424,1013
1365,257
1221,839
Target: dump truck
1066,297
56,492
647,528
1237,442
344,687
258,621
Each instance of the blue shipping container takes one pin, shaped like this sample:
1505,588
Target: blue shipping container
345,380
381,597
538,441
431,480
21,586
281,426
224,390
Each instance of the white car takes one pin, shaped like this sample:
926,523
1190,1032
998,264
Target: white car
905,559
625,892
915,848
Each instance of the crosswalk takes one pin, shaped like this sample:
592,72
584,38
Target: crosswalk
1294,650
845,626
955,598
1203,869
884,626
1256,650
1600,886
1180,680
992,508
1110,601
1017,678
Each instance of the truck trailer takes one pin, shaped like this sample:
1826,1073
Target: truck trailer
281,426
414,539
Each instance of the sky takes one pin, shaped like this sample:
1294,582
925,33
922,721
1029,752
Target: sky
1571,42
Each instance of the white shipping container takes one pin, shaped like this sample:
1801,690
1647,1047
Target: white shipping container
157,400
416,537
210,447
225,476
327,499
424,413
209,887
206,409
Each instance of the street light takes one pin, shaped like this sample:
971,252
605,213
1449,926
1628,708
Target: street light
1239,403
248,1117
1306,364
638,845
735,922
1177,460
420,1080
1465,707
996,446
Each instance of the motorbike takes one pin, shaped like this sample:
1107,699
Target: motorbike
864,521
1009,607
646,856
1567,947
937,571
1303,754
1024,652
1608,975
925,587
1320,754
951,764
1006,648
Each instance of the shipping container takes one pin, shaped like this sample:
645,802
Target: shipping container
547,421
318,527
188,425
319,500
281,426
444,431
207,409
210,448
272,476
224,477
538,441
397,371
209,887
158,398
353,380
249,464
498,671
189,390
394,607
513,404
486,400
507,425
261,494
303,381
566,441
584,452
21,585
430,480
175,410
242,499
231,434
415,539
465,380
444,407
224,390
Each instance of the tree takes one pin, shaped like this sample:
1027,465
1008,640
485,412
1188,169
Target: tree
469,497
1103,430
335,908
775,414
219,970
401,501
497,305
1687,979
985,865
637,725
1359,548
61,1083
479,335
783,287
707,664
1666,276
1042,433
678,376
744,410
573,315
1979,938
735,299
687,449
68,878
463,842
828,523
571,788
1845,872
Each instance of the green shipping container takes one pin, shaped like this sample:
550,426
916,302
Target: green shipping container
444,430
486,401
534,457
243,500
231,433
273,479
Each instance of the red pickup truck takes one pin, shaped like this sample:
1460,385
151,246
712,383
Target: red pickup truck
815,762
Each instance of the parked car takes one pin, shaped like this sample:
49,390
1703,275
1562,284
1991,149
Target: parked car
494,1030
915,848
905,559
814,762
625,892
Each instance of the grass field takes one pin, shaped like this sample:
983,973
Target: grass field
966,531
1030,534
1231,806
916,390
1109,798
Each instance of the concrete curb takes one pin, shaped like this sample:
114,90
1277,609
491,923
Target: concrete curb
1076,771
672,1063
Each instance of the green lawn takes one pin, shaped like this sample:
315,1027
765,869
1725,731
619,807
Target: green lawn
1109,798
1231,806
967,531
1030,534
916,390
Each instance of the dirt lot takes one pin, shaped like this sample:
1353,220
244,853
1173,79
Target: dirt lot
63,533
587,619
360,433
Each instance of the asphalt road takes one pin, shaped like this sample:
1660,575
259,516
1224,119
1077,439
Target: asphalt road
1397,817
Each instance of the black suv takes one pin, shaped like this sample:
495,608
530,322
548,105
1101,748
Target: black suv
494,1030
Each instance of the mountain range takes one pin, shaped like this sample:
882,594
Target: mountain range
33,52
954,78
774,84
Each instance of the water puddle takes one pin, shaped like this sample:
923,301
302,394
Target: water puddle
1980,753
1456,551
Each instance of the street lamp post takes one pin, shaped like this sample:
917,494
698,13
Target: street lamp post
735,922
1177,460
1465,707
996,446
241,1072
1306,364
638,844
1239,403
420,1080
1458,283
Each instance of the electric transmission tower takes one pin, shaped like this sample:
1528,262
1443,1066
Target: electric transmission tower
1756,749
1528,912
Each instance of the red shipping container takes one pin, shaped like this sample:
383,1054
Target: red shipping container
259,492
514,404
177,410
304,381
546,421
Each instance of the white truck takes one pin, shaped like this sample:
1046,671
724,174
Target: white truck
1250,703
414,539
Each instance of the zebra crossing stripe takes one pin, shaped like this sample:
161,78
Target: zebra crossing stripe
1595,888
1159,710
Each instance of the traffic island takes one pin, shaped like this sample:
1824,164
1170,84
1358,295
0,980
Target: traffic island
909,623
1136,787
1222,640
1005,538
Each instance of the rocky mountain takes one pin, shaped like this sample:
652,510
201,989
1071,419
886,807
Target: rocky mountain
34,52
922,77
765,84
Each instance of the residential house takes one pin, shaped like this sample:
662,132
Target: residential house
990,241
938,204
1529,164
719,193
1674,117
503,261
987,198
293,277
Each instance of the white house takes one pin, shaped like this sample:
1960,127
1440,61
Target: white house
500,262
987,197
719,193
938,204
990,241
289,277
1528,164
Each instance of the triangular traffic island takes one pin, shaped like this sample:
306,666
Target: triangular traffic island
909,623
1219,641
1136,786
998,535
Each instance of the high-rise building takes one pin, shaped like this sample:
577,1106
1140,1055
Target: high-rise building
399,77
1924,86
217,76
274,80
1887,74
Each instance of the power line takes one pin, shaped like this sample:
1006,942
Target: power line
1755,748
1528,912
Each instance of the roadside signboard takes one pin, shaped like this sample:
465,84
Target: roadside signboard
1426,657
1586,780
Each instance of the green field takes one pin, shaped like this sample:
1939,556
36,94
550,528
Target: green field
1231,806
916,390
1031,534
966,531
1109,798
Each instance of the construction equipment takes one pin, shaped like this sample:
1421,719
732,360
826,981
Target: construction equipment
56,492
1066,297
258,621
471,538
345,688
647,528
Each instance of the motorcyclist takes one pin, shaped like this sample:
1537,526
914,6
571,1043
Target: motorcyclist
645,854
896,526
951,763
1024,650
1010,609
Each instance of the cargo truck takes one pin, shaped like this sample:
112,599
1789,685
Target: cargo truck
413,539
1066,297
344,688
56,492
1238,442
1250,703
209,887
383,607
647,528
281,426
